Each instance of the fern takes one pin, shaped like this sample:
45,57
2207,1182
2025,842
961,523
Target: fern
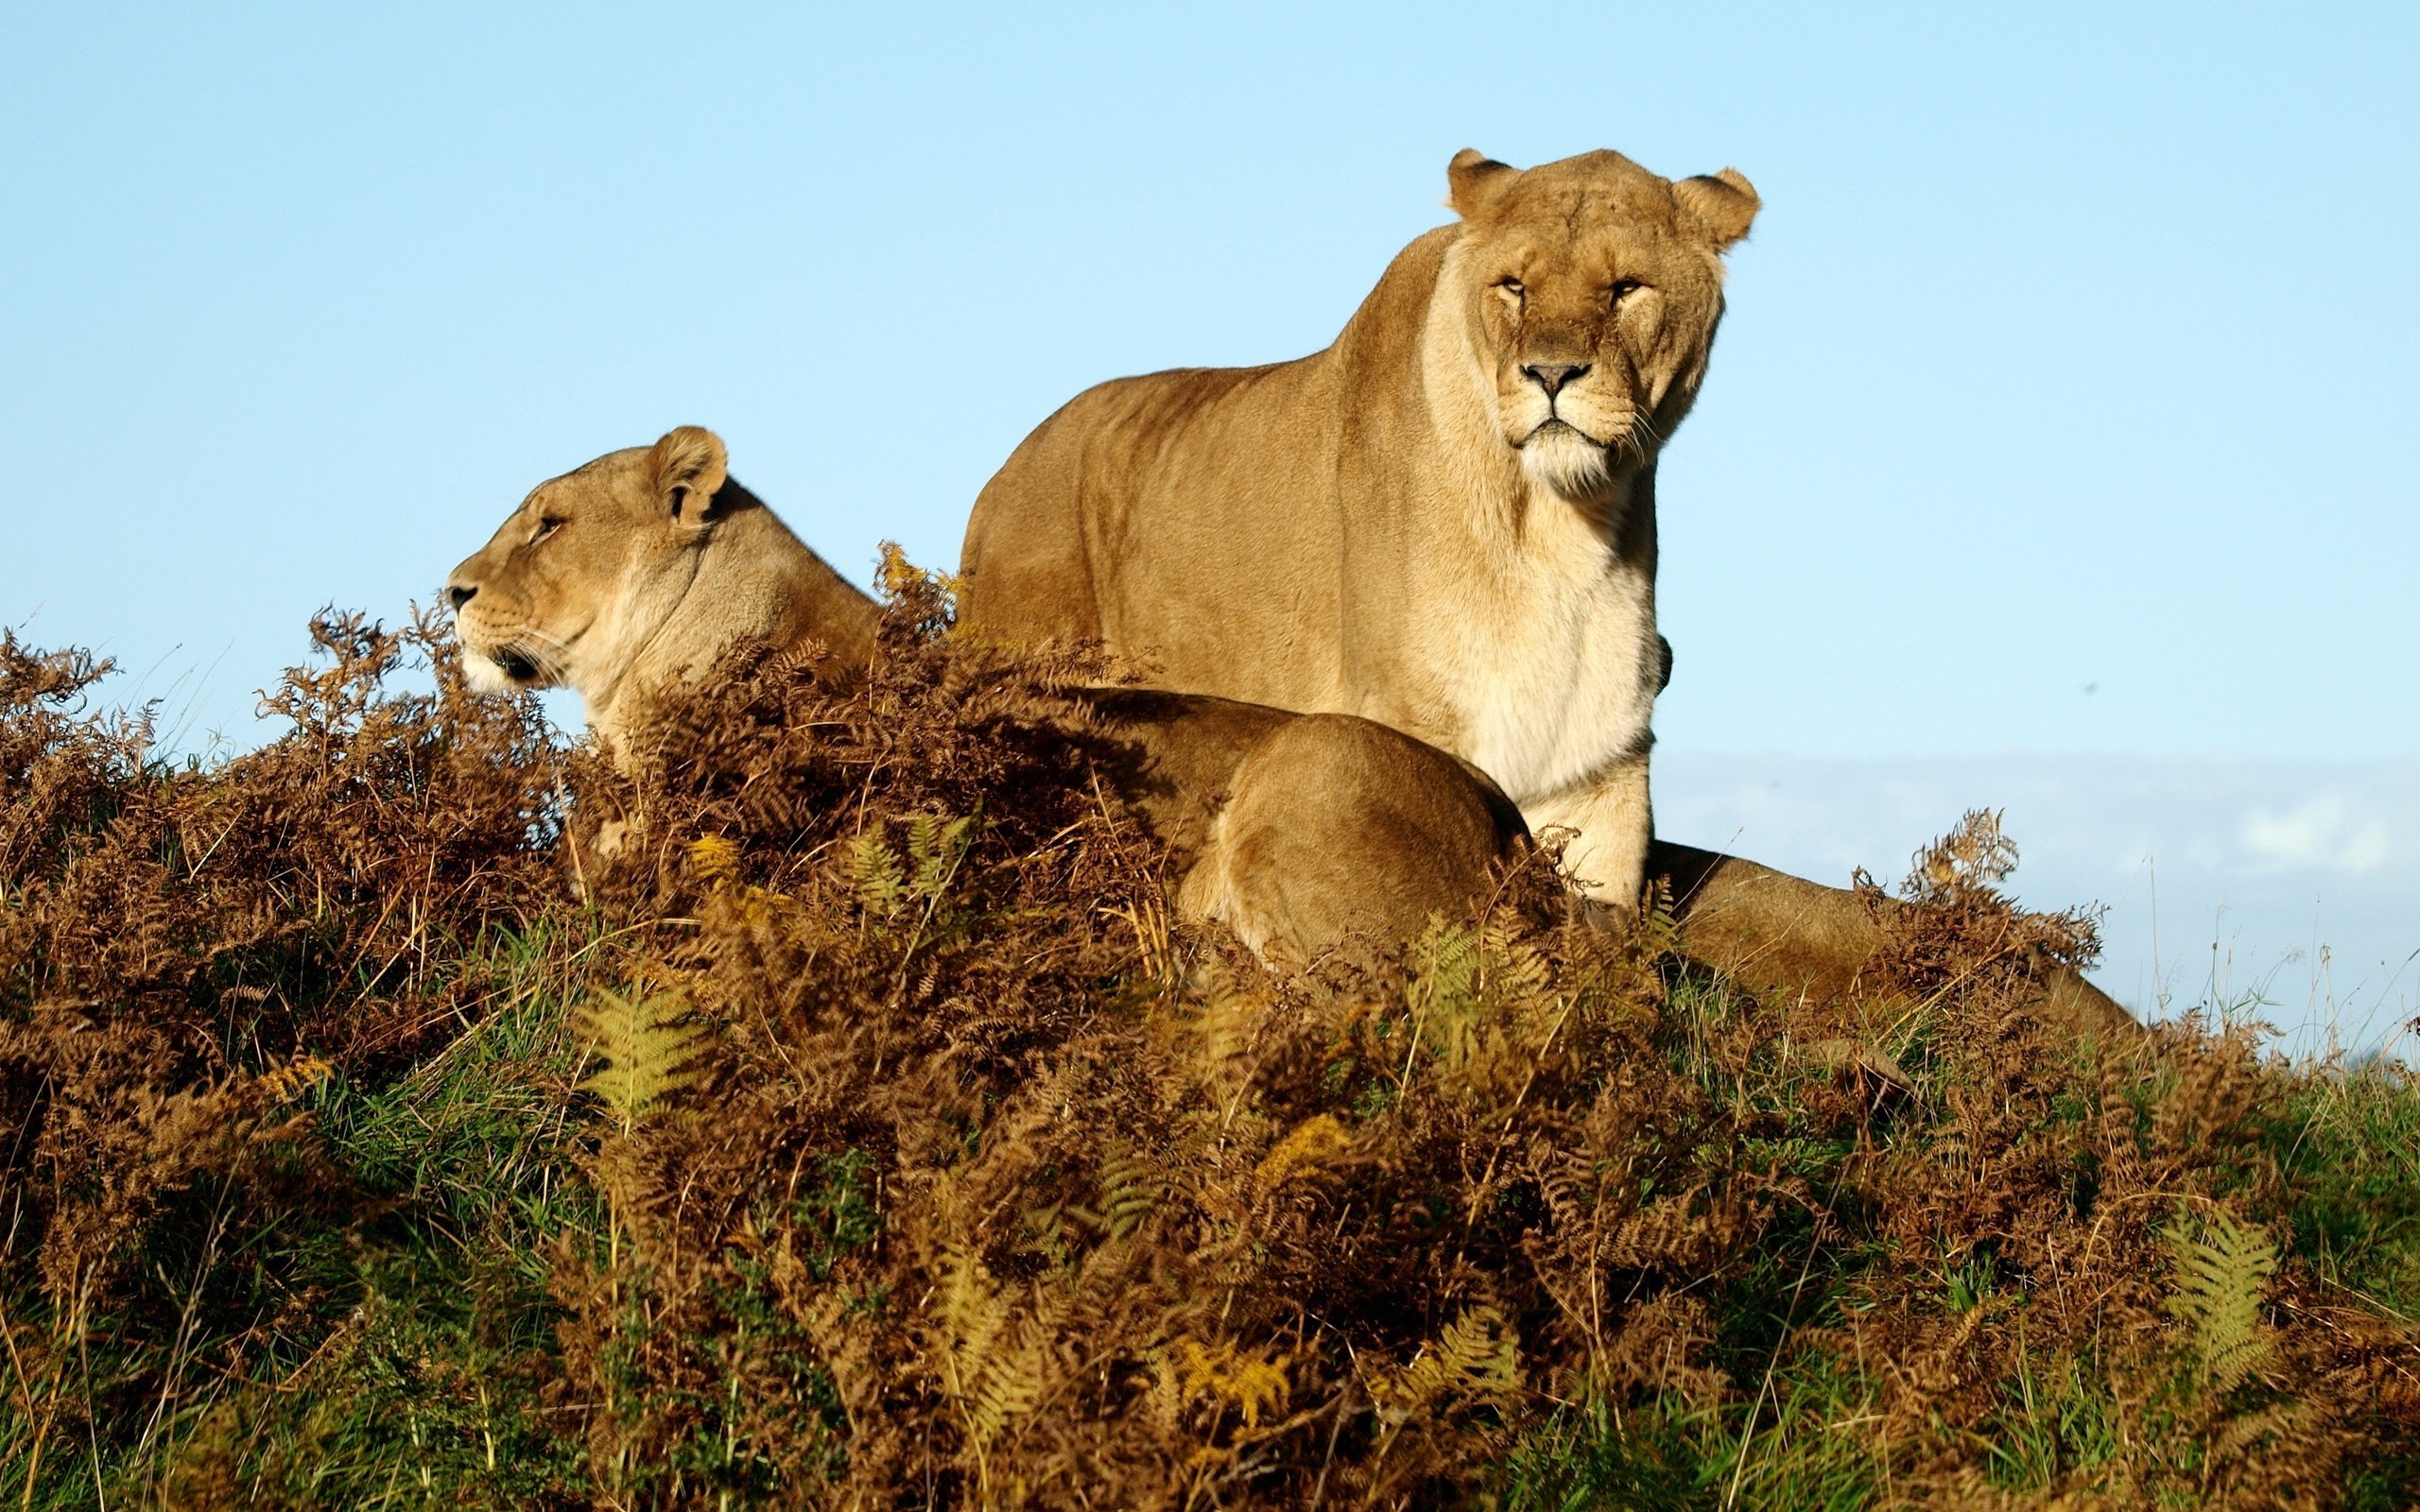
1975,854
1659,928
650,1047
992,1364
715,859
1130,1188
2219,1276
1447,965
935,847
1234,1377
294,1078
1465,975
1476,1360
874,870
927,600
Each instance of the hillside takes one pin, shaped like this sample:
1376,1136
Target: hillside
863,1134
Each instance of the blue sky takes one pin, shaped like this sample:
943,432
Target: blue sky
2061,412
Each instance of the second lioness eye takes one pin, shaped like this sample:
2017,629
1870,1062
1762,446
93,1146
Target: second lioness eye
547,526
1623,288
1512,286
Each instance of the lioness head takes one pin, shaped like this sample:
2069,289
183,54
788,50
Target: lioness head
587,572
1591,288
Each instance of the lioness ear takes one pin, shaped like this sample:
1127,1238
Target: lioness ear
1474,179
688,466
1724,205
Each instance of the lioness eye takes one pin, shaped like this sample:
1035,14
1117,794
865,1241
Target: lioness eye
1512,286
1623,288
547,526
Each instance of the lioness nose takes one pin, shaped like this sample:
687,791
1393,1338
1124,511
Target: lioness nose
1551,376
460,595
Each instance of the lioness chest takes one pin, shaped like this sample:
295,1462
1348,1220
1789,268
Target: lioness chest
1550,663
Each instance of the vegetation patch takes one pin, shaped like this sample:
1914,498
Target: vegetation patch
827,1113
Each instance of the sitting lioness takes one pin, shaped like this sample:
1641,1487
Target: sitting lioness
1298,832
1301,833
1445,522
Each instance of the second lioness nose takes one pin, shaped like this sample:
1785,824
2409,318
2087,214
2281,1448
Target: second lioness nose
460,595
1551,376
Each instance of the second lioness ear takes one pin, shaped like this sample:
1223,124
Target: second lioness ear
688,466
1474,179
1724,204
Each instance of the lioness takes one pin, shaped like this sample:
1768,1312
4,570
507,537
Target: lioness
1445,522
1298,832
1301,833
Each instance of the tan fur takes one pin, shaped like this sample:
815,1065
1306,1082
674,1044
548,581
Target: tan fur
1302,833
1409,525
634,572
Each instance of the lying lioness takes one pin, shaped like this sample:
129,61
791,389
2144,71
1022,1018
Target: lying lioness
1299,832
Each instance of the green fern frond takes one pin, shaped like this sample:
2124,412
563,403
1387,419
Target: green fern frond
874,870
994,1367
935,845
1446,964
1465,975
2219,1276
650,1048
1010,1383
886,882
1516,969
1659,932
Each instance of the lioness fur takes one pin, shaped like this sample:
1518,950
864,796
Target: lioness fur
1301,833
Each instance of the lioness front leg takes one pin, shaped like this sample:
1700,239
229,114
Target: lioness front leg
1607,859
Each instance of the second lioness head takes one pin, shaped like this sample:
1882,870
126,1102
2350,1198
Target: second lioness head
582,577
1589,290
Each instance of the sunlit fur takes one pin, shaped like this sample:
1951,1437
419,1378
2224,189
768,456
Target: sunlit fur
1594,263
654,553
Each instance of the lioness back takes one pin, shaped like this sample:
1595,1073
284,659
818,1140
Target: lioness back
1195,518
1083,539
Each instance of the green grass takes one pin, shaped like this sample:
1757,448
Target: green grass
390,1352
2351,1149
1799,1447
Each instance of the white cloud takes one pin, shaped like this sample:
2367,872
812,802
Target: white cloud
2323,834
